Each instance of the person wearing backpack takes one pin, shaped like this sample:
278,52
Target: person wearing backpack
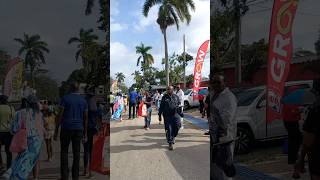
6,118
172,120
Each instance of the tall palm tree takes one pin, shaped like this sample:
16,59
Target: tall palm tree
120,77
34,50
85,41
171,12
147,58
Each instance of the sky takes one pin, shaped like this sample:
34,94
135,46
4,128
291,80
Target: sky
306,27
55,21
129,28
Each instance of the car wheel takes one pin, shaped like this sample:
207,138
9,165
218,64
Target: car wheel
186,105
244,142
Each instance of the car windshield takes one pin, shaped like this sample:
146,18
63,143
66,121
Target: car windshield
245,98
187,92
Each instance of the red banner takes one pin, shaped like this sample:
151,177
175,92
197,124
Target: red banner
198,67
280,54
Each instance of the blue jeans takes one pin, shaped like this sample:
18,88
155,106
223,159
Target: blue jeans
147,119
172,126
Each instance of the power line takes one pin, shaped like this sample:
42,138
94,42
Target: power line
256,2
259,11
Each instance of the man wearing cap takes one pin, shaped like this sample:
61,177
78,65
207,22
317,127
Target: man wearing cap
6,117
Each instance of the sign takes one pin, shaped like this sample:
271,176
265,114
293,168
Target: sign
198,67
114,86
280,54
13,80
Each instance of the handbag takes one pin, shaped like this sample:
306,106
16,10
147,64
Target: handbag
140,108
144,112
19,140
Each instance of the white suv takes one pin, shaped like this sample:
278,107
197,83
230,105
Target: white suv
188,97
251,117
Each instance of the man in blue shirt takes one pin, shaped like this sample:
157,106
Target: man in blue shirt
133,103
73,118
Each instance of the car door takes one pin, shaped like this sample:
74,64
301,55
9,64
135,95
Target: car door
260,111
276,128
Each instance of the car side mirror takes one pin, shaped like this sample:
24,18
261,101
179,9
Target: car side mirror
262,104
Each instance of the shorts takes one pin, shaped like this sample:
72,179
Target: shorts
49,134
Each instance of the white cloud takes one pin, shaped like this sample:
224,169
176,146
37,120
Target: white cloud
114,7
122,60
143,22
114,27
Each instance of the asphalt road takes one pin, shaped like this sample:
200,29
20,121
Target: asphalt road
139,154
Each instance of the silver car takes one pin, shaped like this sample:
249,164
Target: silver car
251,117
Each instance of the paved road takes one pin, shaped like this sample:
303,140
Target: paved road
138,154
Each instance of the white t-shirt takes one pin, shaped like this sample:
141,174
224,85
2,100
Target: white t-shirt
180,94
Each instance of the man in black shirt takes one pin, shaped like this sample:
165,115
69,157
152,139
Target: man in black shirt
172,120
311,139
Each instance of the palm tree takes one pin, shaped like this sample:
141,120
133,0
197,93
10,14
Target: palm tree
34,50
89,6
147,59
171,12
120,77
85,42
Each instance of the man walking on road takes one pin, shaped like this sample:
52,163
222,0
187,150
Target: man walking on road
133,103
73,118
180,94
223,130
169,109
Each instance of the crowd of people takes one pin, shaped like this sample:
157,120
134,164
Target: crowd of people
223,125
24,130
169,105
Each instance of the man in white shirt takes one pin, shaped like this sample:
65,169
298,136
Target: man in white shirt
223,129
180,94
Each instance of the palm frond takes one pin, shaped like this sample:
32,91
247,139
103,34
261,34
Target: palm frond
148,5
138,60
90,4
77,55
74,39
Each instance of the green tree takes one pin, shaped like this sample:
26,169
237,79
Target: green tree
222,31
138,79
145,58
254,55
33,48
86,42
79,75
47,88
171,12
120,77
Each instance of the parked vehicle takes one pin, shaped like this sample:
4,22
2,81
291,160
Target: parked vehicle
251,117
189,101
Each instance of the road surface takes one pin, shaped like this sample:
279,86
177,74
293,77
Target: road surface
139,154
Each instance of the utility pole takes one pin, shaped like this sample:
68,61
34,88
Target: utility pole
238,41
184,62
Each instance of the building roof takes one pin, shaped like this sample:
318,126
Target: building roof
295,60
